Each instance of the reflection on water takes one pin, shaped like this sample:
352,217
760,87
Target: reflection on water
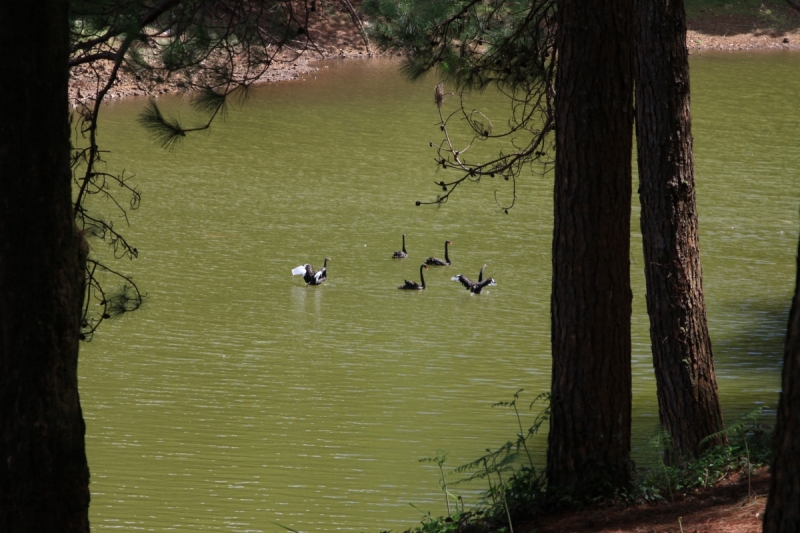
240,397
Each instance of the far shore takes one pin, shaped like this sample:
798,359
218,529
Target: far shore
708,35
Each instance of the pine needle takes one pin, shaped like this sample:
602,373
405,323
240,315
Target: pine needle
164,131
210,101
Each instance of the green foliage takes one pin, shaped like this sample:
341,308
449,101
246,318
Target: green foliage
166,132
123,299
97,17
515,491
540,419
749,447
176,55
209,100
439,460
740,429
473,43
662,443
448,524
775,14
217,49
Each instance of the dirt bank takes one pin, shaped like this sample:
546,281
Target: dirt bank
331,37
337,38
730,33
724,508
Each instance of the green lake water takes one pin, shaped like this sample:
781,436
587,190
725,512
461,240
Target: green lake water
239,397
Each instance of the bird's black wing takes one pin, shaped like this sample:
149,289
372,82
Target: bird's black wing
478,287
465,281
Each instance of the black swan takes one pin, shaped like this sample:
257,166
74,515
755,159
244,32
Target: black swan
475,287
435,261
478,287
413,285
466,282
401,254
311,277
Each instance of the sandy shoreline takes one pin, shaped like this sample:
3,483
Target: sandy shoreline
766,40
84,82
703,36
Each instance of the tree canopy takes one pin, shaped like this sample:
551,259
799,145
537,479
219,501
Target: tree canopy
473,45
51,163
216,48
544,56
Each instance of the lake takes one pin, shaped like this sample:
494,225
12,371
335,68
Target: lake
240,399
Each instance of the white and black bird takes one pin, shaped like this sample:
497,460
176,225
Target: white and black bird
435,261
309,275
413,285
466,282
478,287
401,254
475,287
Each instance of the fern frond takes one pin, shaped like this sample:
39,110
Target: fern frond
738,427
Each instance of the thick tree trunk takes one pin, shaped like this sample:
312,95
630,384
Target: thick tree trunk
589,441
44,475
689,407
783,506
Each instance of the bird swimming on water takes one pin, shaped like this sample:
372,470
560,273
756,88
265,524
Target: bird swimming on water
478,287
401,254
475,287
435,261
466,282
309,275
413,285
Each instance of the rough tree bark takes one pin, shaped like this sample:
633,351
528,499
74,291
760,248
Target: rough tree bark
688,403
44,475
783,505
589,441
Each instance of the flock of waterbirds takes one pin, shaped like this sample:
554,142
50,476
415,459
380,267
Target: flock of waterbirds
317,277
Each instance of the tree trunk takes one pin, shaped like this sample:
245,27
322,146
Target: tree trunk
589,441
44,475
689,407
783,506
